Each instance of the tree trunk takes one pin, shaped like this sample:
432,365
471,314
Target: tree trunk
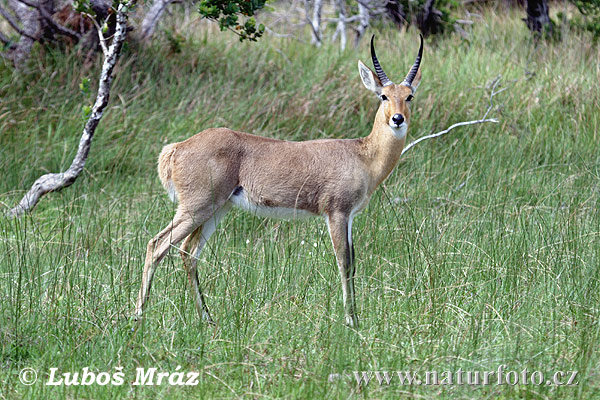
57,181
341,25
152,17
30,20
316,23
430,19
395,11
363,20
538,20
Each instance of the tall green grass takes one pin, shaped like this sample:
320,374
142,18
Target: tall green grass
481,249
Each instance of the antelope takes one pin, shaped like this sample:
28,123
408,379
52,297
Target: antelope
219,168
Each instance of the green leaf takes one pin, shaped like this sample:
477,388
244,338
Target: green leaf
84,86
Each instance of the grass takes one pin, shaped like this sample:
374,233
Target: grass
481,249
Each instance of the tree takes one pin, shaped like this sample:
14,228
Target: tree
224,12
57,181
590,20
47,21
152,17
538,21
430,16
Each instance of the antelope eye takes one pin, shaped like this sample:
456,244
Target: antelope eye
383,97
410,97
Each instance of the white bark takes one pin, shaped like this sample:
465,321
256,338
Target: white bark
341,25
152,17
316,23
363,20
56,181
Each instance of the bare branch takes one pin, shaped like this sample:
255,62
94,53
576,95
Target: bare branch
11,21
53,24
434,135
484,119
282,35
347,19
101,37
57,181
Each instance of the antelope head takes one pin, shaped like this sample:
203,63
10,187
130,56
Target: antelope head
395,98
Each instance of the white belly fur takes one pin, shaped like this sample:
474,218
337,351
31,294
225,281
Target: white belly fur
241,200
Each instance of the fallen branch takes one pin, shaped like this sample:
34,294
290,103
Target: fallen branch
57,181
484,119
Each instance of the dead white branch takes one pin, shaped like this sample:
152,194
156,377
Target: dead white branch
57,181
494,92
434,135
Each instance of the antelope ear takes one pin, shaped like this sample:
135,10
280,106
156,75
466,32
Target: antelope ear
416,81
369,79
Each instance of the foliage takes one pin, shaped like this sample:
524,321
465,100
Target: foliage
226,13
175,40
590,9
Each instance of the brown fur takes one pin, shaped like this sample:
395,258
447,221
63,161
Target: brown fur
312,176
334,178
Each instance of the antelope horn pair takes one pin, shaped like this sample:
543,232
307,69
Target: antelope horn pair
385,81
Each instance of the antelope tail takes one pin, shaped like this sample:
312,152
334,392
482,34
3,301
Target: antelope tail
164,170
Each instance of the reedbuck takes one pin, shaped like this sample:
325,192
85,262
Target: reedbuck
334,178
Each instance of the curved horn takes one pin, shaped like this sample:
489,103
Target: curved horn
382,76
413,71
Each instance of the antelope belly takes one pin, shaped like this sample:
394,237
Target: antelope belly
239,198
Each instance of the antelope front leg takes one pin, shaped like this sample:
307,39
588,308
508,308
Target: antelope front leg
339,231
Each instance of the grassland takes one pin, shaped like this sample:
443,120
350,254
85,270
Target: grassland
481,249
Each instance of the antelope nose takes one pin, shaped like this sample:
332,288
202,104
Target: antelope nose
398,119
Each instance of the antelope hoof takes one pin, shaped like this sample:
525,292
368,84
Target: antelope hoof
137,314
207,318
352,321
